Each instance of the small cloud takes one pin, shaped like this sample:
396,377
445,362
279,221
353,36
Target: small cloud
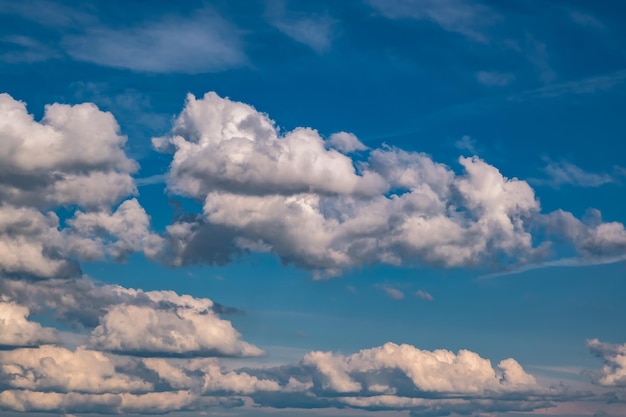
203,43
351,289
466,143
566,173
424,295
345,142
585,20
494,78
393,293
314,31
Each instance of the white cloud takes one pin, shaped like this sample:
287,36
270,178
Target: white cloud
467,18
16,330
203,42
566,173
74,157
37,169
494,78
322,210
144,330
437,371
58,369
466,143
424,295
222,144
313,30
594,239
345,142
613,373
393,293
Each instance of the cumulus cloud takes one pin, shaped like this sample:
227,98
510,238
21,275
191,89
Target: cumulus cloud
17,331
394,377
345,142
37,169
295,195
143,330
134,322
73,158
52,368
592,238
613,373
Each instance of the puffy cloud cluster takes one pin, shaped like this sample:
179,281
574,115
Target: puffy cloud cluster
134,322
299,196
613,373
16,330
73,158
54,379
311,202
592,238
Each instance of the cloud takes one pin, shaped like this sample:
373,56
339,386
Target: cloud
17,331
39,174
146,331
424,295
317,208
613,373
494,78
593,238
466,143
52,368
467,18
345,142
592,85
37,169
566,173
393,293
585,20
134,322
313,30
204,42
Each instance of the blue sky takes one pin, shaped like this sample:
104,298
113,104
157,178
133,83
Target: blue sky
358,208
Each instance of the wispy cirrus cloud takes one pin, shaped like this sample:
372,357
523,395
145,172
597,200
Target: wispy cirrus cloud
203,42
566,173
315,30
470,19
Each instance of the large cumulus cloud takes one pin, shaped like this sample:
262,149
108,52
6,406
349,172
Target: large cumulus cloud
305,199
125,320
73,158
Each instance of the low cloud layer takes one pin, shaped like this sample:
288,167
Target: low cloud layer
393,377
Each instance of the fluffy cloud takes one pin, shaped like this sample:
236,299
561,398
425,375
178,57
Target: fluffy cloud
306,200
136,322
613,373
592,237
227,145
295,195
393,377
51,368
438,371
144,330
16,330
73,157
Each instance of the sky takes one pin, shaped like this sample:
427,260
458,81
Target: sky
385,208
